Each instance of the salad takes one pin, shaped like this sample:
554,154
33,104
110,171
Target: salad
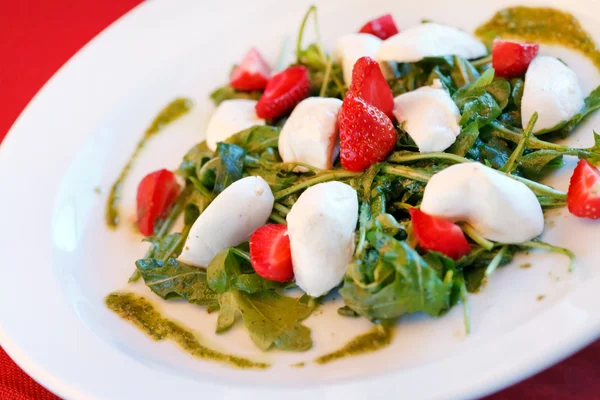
400,170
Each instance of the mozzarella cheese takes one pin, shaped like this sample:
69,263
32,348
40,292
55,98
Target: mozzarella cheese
239,210
350,48
231,117
429,116
310,134
321,228
552,90
498,207
430,40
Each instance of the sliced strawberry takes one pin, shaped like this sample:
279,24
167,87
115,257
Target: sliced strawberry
369,84
437,234
155,194
511,59
252,73
284,90
382,27
583,197
367,135
270,253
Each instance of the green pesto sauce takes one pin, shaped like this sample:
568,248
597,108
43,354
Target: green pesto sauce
377,338
541,24
168,114
140,312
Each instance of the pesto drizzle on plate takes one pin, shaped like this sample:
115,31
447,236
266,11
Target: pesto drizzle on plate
377,338
141,313
541,24
168,114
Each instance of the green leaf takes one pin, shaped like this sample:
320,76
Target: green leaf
231,165
517,92
402,282
222,270
297,338
475,103
493,153
312,57
537,164
173,279
256,139
196,204
252,283
465,140
227,312
268,316
500,91
194,160
162,248
228,93
228,270
463,72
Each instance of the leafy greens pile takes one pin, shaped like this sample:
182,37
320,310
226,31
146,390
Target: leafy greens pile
389,276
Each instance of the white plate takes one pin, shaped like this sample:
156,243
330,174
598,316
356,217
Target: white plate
59,260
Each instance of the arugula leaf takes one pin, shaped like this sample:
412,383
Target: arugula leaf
475,103
500,91
268,316
256,139
222,270
231,165
465,140
162,248
537,164
227,312
228,93
511,119
194,159
393,280
173,279
463,72
494,153
297,338
228,270
516,94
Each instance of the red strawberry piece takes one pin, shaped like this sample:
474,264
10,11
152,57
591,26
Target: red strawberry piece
583,197
437,234
511,59
284,90
252,73
382,27
270,253
367,135
369,84
155,194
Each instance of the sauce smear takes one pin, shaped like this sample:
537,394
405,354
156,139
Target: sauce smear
377,338
168,114
141,313
542,25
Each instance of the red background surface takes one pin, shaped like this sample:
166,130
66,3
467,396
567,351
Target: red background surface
37,37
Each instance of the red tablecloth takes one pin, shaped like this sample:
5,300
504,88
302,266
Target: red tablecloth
38,36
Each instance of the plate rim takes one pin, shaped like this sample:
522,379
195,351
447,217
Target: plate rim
485,386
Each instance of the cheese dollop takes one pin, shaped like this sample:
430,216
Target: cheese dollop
231,117
310,135
429,116
321,227
430,40
233,215
498,207
552,90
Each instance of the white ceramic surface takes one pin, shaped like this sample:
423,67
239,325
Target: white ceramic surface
59,260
